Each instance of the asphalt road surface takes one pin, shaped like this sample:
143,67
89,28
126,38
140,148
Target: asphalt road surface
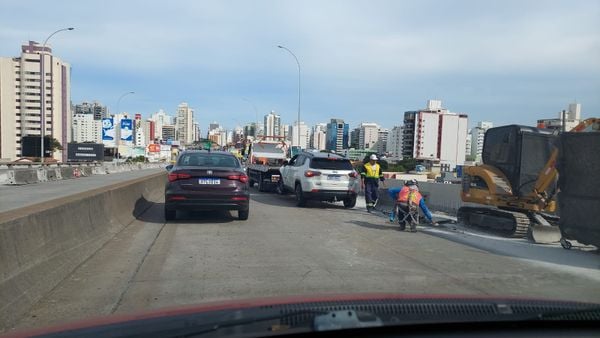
285,250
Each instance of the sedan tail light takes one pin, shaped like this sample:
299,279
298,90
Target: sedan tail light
312,173
178,176
242,178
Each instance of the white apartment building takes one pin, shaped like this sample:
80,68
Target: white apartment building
382,139
185,124
304,135
272,124
477,137
86,128
571,117
319,136
394,143
160,119
368,135
20,103
435,134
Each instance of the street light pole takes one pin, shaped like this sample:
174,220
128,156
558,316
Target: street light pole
118,139
43,91
298,63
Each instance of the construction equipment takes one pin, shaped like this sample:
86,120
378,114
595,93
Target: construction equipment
515,187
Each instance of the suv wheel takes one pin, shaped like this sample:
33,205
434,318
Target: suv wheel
170,215
300,200
350,202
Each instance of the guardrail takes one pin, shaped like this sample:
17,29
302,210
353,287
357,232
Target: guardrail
19,174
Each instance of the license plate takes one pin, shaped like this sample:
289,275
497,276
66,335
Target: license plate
334,177
275,178
209,181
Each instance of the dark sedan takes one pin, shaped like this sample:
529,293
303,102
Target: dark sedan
203,180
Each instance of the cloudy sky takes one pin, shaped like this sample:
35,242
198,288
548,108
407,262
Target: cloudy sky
363,61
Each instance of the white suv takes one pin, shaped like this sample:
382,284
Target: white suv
320,176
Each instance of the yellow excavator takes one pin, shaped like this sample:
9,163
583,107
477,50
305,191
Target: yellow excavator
513,191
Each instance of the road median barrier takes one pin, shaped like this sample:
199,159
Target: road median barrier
40,245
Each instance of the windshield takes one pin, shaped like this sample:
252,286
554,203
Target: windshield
162,154
208,160
332,164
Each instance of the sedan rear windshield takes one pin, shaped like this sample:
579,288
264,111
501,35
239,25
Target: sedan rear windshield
208,160
331,164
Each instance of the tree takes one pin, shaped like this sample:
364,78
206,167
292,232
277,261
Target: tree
55,145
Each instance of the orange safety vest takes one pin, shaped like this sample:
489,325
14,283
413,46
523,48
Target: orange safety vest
406,193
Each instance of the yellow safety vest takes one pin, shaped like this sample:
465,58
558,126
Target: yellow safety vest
370,173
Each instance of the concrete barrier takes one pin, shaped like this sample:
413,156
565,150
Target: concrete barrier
53,174
40,245
24,176
66,172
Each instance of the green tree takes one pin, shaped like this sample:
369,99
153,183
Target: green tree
55,145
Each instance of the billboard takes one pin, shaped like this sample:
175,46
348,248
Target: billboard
127,130
108,132
30,146
154,148
85,152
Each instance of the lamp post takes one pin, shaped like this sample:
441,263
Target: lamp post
118,139
43,91
298,63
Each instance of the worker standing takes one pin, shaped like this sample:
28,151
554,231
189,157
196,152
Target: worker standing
371,175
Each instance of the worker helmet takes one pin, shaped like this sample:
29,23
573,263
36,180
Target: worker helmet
411,182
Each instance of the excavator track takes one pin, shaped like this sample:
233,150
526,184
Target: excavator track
507,223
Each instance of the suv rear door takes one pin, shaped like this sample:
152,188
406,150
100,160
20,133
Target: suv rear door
335,172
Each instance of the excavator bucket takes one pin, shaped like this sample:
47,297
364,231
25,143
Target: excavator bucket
542,232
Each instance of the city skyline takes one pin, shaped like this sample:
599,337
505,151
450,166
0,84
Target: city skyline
515,68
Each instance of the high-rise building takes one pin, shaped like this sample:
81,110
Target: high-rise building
435,134
394,143
94,108
272,124
213,126
355,138
318,136
250,130
168,132
382,139
337,135
160,119
138,130
285,131
477,137
367,138
20,103
86,129
185,123
149,131
304,135
197,134
571,118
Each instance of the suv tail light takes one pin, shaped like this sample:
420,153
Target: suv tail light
178,176
241,178
312,173
353,174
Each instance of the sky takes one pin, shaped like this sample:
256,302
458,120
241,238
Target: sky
363,61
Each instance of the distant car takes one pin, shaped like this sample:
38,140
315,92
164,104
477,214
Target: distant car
320,176
203,180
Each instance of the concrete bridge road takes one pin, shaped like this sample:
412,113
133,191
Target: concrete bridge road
285,250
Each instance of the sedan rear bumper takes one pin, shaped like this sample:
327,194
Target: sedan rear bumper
179,202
